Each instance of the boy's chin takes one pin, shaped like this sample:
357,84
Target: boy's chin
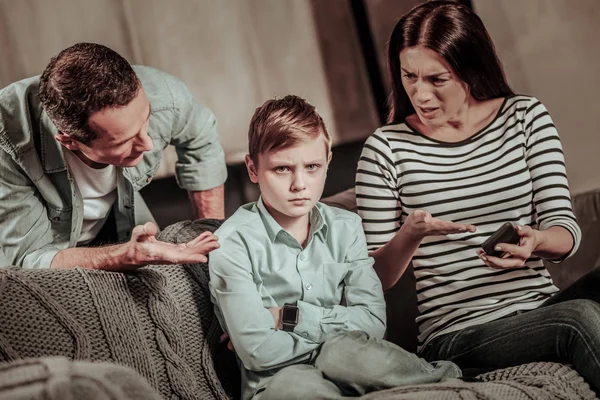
298,211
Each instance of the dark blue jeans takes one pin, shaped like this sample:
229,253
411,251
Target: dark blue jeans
565,329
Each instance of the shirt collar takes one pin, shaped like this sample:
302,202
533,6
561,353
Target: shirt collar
51,150
317,223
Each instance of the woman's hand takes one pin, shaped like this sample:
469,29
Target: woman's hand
515,255
420,224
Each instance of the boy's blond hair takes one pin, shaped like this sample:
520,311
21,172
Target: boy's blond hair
281,123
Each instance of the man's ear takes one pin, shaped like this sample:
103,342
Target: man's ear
252,170
67,141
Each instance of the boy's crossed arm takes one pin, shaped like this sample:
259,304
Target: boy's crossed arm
365,305
255,331
251,326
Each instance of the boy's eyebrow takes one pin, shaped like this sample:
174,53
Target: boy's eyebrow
316,161
287,163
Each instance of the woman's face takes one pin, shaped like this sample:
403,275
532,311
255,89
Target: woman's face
435,92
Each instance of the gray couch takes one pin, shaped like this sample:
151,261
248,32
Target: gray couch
79,334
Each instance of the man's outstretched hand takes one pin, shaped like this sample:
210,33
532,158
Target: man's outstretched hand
144,249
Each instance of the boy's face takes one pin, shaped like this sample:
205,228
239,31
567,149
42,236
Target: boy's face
291,180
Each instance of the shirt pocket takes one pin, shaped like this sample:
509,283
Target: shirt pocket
60,221
334,274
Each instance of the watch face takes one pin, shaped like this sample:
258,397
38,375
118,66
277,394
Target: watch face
290,315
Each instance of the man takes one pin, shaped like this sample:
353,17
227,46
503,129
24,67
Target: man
76,145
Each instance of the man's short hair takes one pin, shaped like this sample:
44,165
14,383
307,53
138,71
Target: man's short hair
281,123
82,80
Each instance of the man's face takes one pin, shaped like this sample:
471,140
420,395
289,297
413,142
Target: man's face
122,133
291,180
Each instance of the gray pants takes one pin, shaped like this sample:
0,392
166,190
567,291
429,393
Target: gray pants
353,364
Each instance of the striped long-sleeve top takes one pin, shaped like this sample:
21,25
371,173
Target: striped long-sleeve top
511,170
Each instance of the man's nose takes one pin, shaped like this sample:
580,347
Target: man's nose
145,142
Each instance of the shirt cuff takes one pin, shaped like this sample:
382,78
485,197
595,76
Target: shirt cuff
309,321
204,175
576,242
40,259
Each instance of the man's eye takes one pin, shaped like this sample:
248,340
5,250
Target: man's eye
313,167
282,169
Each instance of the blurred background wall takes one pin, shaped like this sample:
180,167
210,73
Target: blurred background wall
235,54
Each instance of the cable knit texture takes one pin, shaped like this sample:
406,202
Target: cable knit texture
157,321
152,333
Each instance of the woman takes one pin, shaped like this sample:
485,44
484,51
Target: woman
462,147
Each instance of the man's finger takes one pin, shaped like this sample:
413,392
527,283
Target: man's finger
150,229
204,236
141,232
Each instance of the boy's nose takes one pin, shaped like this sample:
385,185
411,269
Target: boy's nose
298,183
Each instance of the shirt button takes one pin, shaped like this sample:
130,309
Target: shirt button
304,334
302,256
308,286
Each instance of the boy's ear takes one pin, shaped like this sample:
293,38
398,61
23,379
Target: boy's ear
67,141
251,167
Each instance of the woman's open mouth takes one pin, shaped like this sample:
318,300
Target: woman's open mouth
427,111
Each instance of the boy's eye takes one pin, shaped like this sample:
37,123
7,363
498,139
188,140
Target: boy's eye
282,169
313,167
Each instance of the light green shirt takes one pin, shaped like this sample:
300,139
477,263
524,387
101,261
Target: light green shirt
259,265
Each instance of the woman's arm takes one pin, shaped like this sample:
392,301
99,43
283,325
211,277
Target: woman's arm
392,242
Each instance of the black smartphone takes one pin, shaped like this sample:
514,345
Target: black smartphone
507,233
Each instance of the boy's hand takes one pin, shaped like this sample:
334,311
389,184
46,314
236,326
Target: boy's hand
276,313
225,337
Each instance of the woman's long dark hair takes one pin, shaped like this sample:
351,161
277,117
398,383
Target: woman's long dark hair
456,34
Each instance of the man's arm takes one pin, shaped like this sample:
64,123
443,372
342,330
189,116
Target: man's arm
240,309
365,305
141,250
208,203
26,236
200,163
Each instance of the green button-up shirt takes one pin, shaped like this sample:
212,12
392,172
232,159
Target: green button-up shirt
41,209
259,265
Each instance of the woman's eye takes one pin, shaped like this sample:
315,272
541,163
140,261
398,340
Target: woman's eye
409,76
438,80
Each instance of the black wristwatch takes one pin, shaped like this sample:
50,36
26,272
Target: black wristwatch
289,316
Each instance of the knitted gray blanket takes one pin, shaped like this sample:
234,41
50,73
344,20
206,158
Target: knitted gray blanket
152,333
157,321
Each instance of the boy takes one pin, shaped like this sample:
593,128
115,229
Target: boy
292,282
